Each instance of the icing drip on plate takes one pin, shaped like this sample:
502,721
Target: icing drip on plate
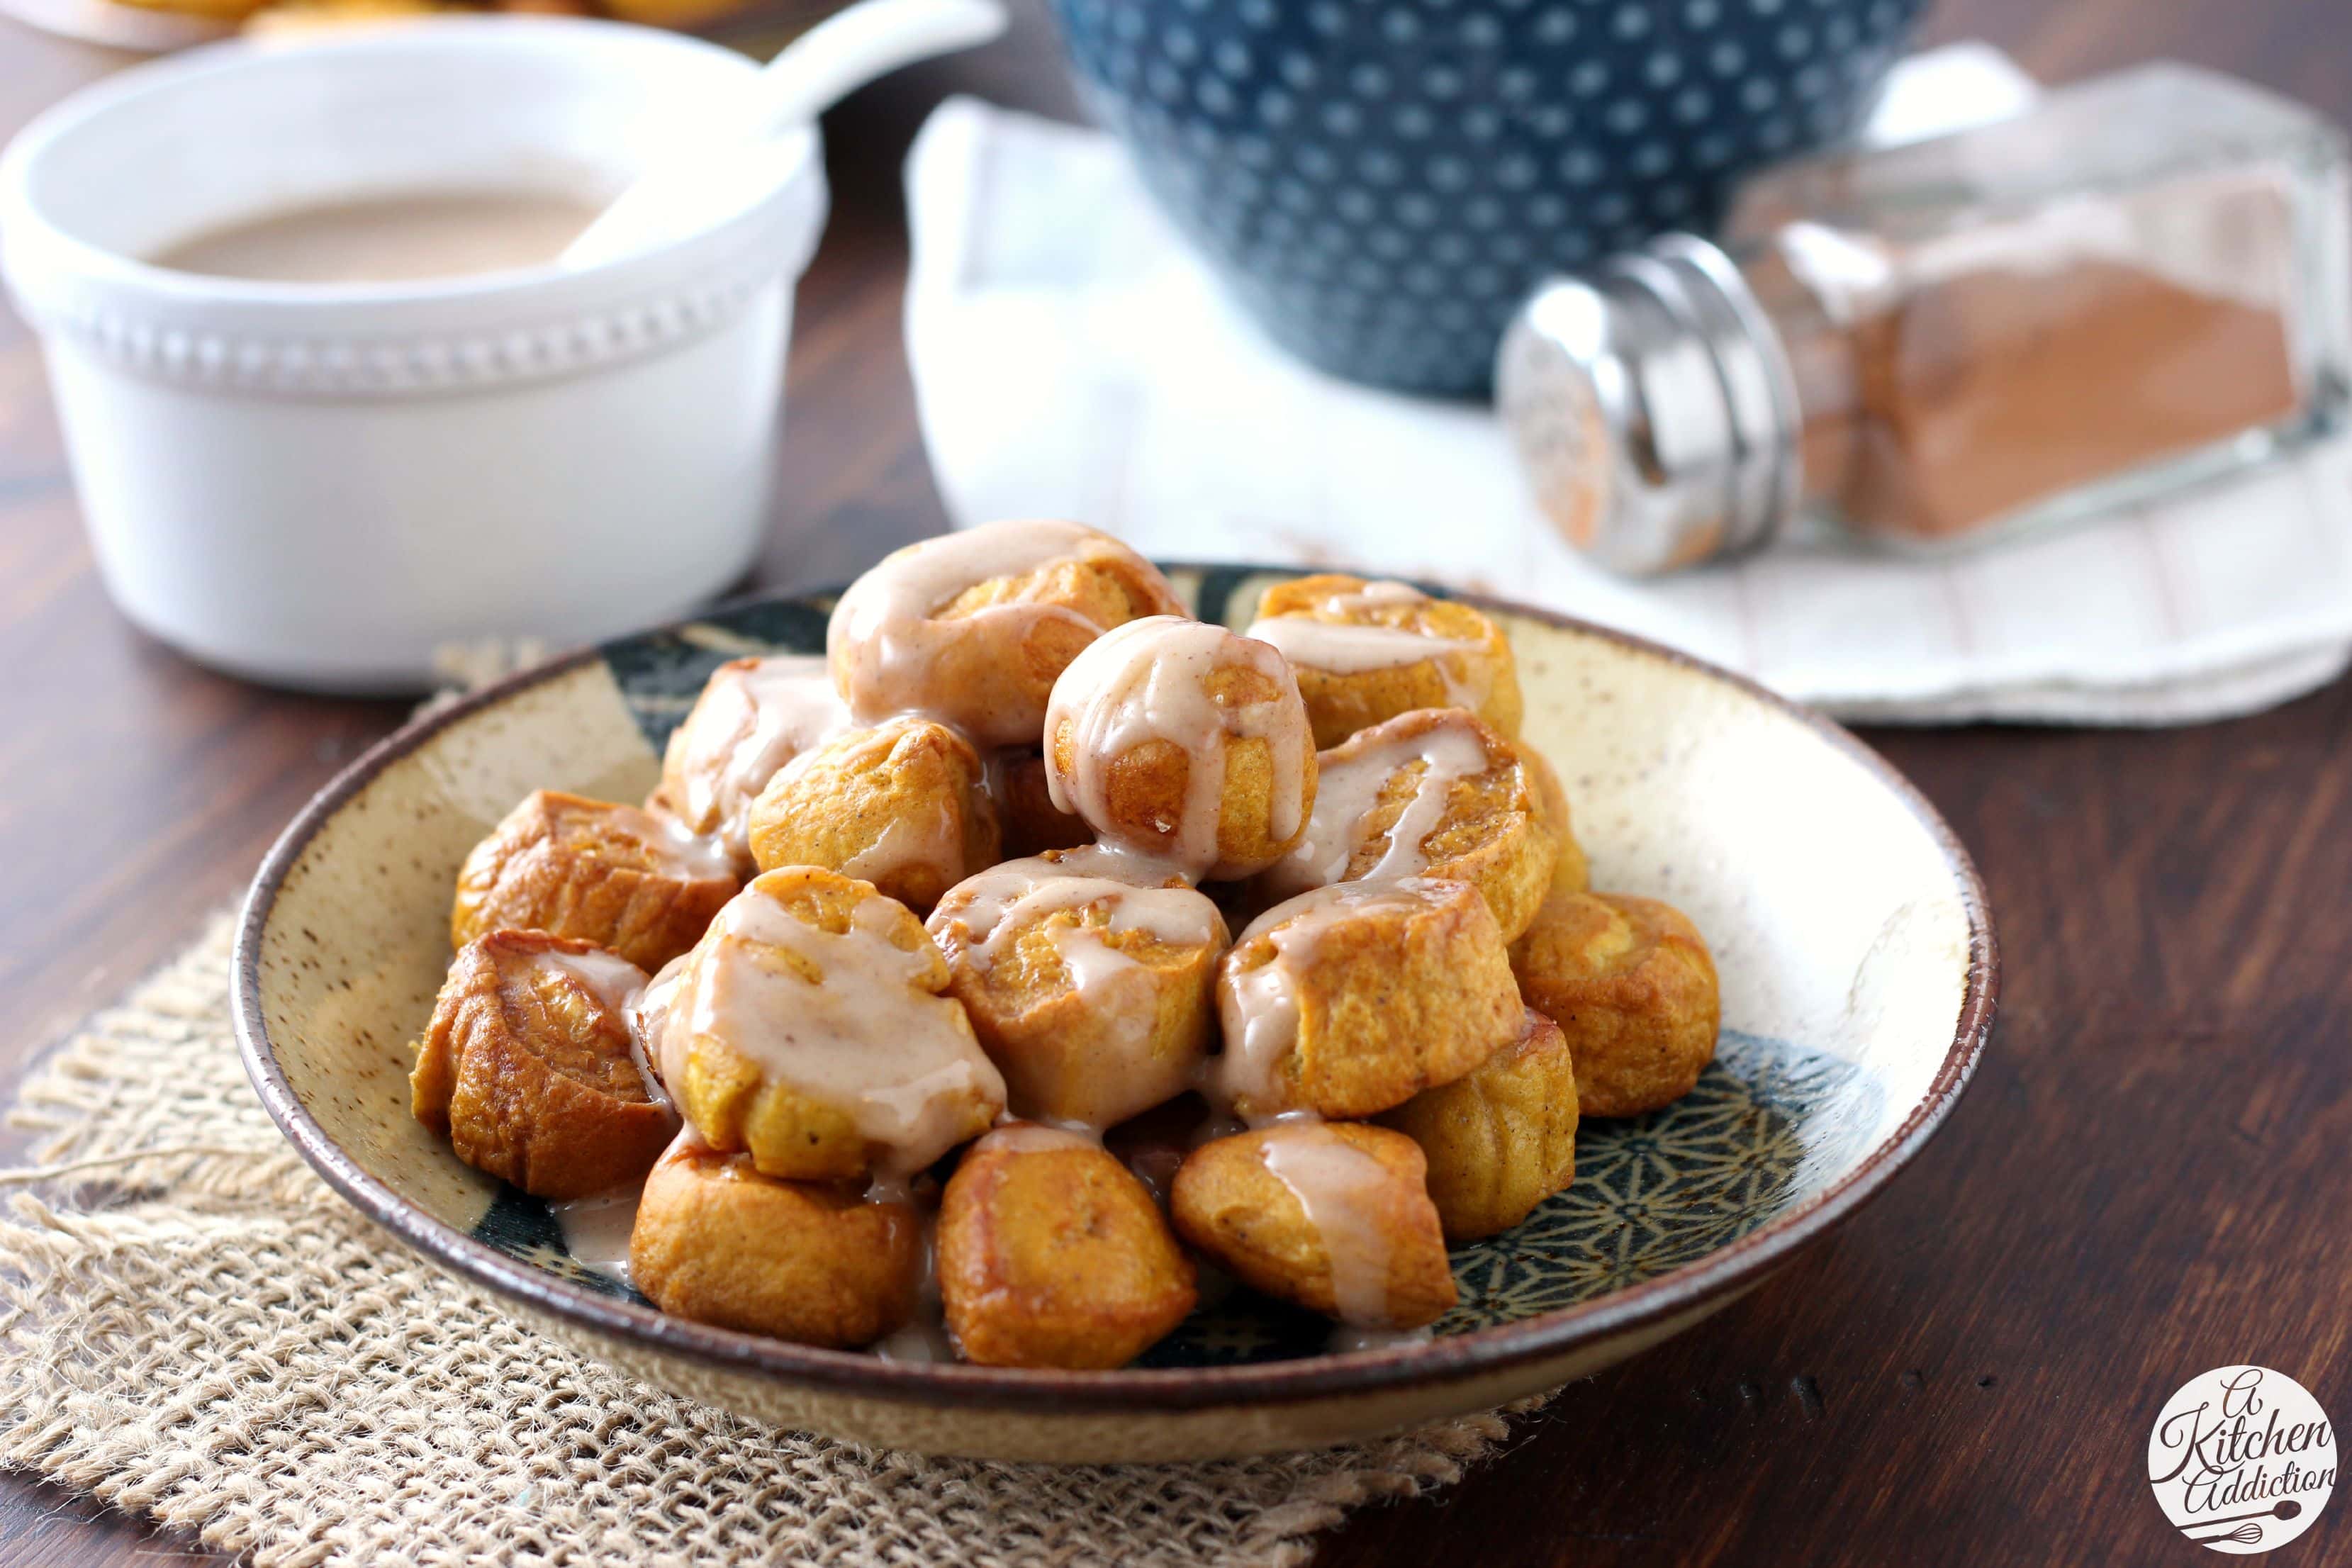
596,1230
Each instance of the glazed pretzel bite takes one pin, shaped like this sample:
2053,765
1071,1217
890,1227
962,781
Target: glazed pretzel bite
530,1067
621,878
1050,1254
1500,1140
1331,1216
808,1029
1431,793
1570,873
971,628
1093,992
753,716
1366,652
1632,988
1182,742
812,1262
899,805
1358,996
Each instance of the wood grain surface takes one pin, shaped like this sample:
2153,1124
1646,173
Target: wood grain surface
2149,1177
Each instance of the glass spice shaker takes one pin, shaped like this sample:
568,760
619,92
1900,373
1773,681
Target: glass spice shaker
2137,284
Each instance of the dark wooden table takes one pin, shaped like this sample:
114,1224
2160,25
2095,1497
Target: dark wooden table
2150,1177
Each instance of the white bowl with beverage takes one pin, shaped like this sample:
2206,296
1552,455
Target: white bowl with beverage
330,401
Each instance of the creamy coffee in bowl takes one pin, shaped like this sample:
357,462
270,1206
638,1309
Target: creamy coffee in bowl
400,238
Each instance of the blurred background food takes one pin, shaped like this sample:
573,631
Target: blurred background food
154,26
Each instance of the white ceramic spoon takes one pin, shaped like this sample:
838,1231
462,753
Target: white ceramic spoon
837,55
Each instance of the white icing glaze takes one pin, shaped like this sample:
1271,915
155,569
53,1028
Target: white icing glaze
867,1040
1341,1189
698,857
752,718
905,843
1384,591
1345,647
1310,913
1259,1010
1033,1137
882,636
1348,789
925,1340
1136,867
925,1337
1326,636
648,1016
674,851
1346,1337
1145,681
1259,1006
596,1230
611,979
619,987
994,904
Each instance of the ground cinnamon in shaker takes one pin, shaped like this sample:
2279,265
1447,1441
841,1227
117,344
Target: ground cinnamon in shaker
1975,395
2133,286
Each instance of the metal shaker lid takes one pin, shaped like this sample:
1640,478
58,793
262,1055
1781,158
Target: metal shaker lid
1653,407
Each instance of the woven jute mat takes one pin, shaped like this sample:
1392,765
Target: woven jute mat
193,1326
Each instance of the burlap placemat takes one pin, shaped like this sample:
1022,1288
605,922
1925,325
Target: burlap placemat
194,1327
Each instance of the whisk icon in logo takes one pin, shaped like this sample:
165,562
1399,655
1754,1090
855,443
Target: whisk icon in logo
2242,1459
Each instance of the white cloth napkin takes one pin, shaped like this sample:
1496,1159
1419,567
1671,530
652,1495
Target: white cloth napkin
1071,357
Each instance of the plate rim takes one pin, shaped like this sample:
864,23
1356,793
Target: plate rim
1711,1279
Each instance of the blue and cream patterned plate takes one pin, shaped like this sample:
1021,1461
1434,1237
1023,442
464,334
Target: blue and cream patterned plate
1851,934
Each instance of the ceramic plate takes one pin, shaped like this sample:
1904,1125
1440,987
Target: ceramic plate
1858,976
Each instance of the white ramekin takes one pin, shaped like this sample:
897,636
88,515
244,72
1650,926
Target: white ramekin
318,485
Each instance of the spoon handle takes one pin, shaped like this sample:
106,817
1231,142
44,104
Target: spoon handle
839,54
853,47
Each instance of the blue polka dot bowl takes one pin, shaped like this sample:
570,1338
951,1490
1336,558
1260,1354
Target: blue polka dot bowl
1380,181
